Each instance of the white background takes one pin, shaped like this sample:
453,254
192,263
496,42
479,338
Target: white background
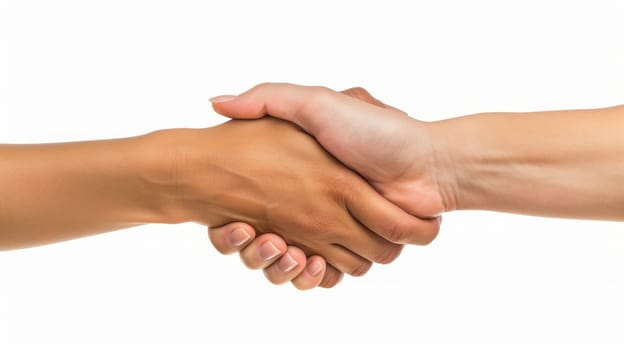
73,70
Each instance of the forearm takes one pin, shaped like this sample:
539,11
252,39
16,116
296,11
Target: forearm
55,192
559,163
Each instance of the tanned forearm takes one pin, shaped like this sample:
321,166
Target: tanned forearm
267,173
54,192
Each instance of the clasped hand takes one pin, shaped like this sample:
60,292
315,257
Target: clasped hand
390,197
340,182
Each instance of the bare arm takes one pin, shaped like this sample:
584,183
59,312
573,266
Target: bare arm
558,163
54,192
285,184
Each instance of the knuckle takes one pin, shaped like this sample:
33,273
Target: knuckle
341,186
262,86
360,269
318,224
398,233
389,253
359,91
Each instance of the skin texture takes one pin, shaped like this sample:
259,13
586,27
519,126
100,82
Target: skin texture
570,160
388,148
285,183
567,164
557,163
220,237
303,193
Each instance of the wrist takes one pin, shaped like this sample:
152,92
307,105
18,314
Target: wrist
159,157
424,186
449,161
472,160
181,169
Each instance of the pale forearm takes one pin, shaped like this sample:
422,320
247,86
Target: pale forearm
560,163
55,192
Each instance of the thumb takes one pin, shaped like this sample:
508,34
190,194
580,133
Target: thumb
280,100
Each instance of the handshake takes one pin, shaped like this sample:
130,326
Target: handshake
333,205
319,183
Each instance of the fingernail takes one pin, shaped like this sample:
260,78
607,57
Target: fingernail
222,98
314,268
287,263
268,251
239,237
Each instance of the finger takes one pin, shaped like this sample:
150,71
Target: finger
231,238
374,247
368,244
331,277
263,251
284,101
346,261
280,100
289,265
312,275
386,219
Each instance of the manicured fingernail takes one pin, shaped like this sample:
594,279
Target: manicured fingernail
314,268
268,251
287,263
222,98
239,237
